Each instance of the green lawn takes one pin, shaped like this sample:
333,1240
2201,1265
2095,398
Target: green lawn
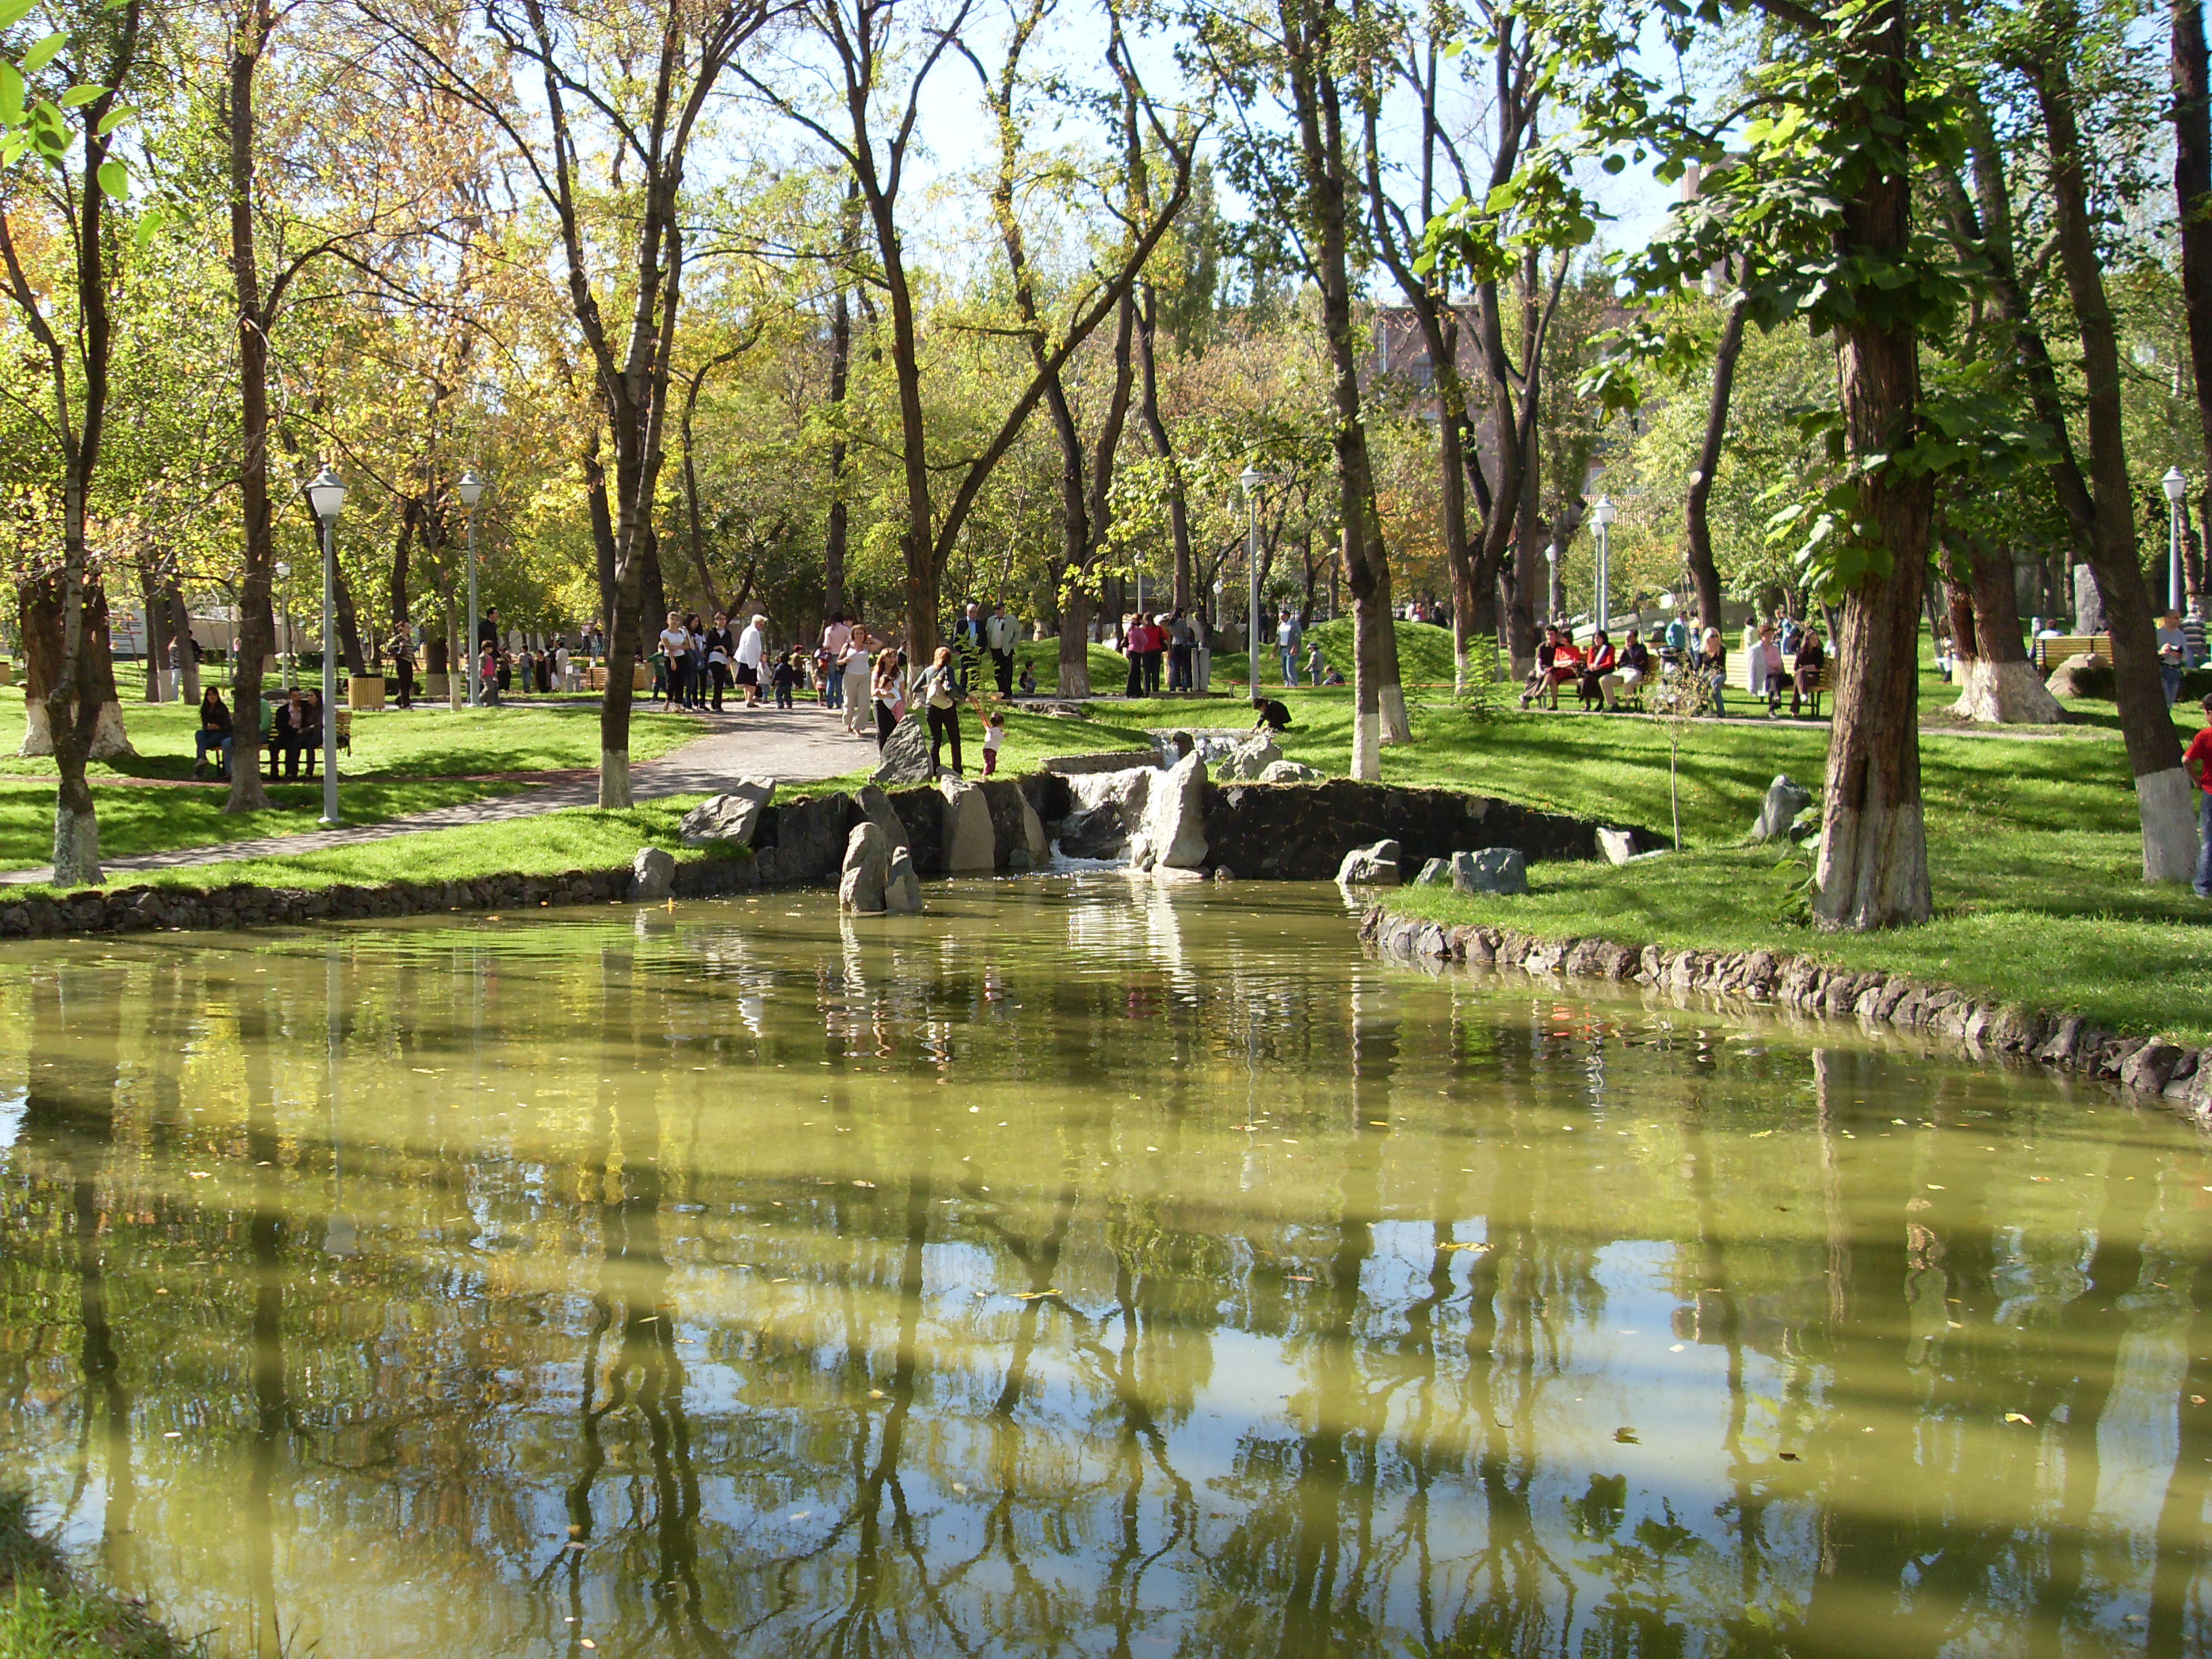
402,761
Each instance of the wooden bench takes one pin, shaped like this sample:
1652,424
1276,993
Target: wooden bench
1739,676
271,740
2048,653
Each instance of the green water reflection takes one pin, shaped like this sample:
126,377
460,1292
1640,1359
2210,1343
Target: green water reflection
1073,1269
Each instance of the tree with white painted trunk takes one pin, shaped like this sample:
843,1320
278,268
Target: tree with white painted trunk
77,182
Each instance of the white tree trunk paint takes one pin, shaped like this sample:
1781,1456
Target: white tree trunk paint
109,739
614,779
2167,802
77,848
1367,745
2004,694
1396,728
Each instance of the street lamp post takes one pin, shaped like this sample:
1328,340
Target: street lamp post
471,489
2176,486
1551,605
1252,479
326,495
283,573
1604,513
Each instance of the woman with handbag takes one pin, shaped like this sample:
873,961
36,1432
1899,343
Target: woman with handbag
940,697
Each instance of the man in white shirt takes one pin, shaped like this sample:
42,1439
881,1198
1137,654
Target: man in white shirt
753,651
999,634
560,664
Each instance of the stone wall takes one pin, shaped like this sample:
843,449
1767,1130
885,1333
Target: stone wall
2183,1077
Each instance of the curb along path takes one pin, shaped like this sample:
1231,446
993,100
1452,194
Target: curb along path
800,747
2182,1078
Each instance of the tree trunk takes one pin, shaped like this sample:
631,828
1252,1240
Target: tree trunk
2192,192
1155,427
44,662
402,618
1996,682
840,366
1697,534
1075,643
1378,699
257,625
187,666
1873,868
2164,794
151,607
348,625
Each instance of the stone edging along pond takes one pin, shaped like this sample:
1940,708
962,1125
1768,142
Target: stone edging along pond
2181,1077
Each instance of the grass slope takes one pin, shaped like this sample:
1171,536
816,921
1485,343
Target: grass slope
45,1613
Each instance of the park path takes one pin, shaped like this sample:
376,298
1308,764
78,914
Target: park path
800,745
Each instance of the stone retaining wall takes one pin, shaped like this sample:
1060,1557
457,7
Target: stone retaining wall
2182,1077
1301,831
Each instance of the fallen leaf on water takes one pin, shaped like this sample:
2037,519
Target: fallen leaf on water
1456,1246
2196,1399
865,1183
1789,1457
199,1175
1033,1296
1626,1437
876,1393
2017,1417
1301,1279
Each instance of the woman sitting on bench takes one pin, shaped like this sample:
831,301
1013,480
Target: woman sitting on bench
297,729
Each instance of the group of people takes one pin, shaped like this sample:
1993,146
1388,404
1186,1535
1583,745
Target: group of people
1603,674
297,730
498,670
692,662
1178,637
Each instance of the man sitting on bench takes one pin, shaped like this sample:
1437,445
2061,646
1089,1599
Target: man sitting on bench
297,728
1805,682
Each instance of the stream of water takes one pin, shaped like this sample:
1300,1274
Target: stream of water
1080,1267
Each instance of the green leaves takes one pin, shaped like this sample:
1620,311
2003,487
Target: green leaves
42,52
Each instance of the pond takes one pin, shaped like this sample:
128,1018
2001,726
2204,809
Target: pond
1079,1267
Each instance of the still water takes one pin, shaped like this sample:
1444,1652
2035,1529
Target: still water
1076,1269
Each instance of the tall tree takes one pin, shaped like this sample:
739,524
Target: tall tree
101,47
2192,194
2164,806
881,56
599,100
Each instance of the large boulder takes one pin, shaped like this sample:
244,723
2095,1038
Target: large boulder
969,846
1619,845
876,807
652,876
867,865
2089,675
1248,760
901,887
906,756
731,817
1785,801
1173,834
1437,873
1034,852
1105,809
1289,771
804,840
1493,870
1370,866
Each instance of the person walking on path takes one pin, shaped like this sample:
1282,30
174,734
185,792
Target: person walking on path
2197,759
676,648
999,634
401,649
835,636
2173,656
720,648
941,694
853,667
752,657
1288,632
887,694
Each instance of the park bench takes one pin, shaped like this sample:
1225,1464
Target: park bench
2048,653
272,739
1739,676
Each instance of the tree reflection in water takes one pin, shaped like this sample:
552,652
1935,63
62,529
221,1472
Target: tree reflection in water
1078,1271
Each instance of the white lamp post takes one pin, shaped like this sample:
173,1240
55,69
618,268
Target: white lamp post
471,490
2176,486
283,572
1551,605
326,495
1251,479
1603,516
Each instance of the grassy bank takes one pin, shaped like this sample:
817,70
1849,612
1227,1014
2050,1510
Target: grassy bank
47,1613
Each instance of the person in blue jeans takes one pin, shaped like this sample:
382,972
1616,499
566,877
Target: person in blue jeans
2196,759
1287,634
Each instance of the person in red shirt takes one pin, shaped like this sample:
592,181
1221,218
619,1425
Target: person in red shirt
1566,667
2197,759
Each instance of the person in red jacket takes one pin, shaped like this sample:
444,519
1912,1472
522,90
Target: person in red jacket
2197,758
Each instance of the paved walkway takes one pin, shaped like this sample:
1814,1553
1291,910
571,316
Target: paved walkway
798,746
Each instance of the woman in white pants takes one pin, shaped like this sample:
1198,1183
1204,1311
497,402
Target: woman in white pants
859,712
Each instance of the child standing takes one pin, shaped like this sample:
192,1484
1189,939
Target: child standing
995,733
785,677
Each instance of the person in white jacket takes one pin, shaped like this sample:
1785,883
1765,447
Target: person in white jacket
752,652
1000,634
